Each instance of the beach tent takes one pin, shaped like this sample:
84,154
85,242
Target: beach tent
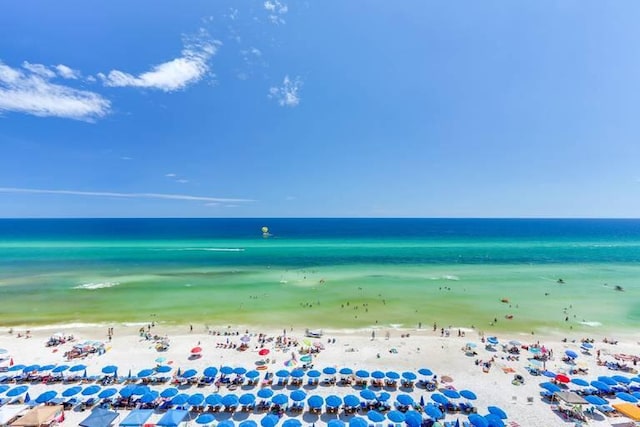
99,417
629,410
136,418
9,412
173,418
570,397
40,415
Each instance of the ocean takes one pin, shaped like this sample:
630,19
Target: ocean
490,274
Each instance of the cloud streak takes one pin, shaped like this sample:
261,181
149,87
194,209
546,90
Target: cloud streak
185,197
287,95
172,75
30,91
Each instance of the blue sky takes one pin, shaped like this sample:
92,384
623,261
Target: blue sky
328,108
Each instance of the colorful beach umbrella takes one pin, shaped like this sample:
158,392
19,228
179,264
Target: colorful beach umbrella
282,373
621,379
409,376
404,399
180,399
383,396
226,370
561,378
377,375
77,368
210,372
362,373
196,350
439,398
367,394
263,351
149,397
145,373
163,369
551,387
189,373
413,418
252,374
314,373
595,400
392,375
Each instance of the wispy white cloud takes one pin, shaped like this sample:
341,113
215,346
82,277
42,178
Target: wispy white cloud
182,181
288,94
30,91
170,175
172,75
276,11
67,72
186,197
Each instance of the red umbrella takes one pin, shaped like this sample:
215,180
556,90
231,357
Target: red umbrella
263,352
562,378
196,350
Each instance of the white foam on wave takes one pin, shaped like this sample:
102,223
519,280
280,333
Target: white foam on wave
99,285
445,277
590,323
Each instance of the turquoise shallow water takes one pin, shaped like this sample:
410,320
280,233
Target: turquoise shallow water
323,272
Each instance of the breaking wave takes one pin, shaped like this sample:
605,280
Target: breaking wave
100,285
445,277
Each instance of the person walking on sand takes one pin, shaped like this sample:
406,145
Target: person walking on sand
373,335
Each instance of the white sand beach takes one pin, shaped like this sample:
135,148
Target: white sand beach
381,349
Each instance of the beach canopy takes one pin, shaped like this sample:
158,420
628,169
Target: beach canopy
38,416
136,418
99,417
172,418
629,410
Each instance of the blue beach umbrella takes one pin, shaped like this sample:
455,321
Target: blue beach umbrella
140,390
621,379
404,399
3,388
77,368
226,370
31,368
230,400
17,391
265,393
468,394
252,374
282,373
247,399
205,419
425,371
451,394
110,369
413,418
570,353
627,397
189,373
46,396
344,371
315,402
587,345
226,423
333,401
392,375
211,372
91,390
383,396
607,380
595,400
439,398
291,422
163,369
492,340
497,412
248,423
127,391
377,375
579,382
493,420
297,373
46,368
433,411
145,373
478,420
362,373
351,400
169,392
59,369
549,374
409,376
336,423
599,385
395,416
239,370
636,394
329,370
71,391
375,416
180,399
197,399
358,422
214,399
367,394
107,392
298,395
314,373
551,387
15,368
269,420
280,399
149,397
